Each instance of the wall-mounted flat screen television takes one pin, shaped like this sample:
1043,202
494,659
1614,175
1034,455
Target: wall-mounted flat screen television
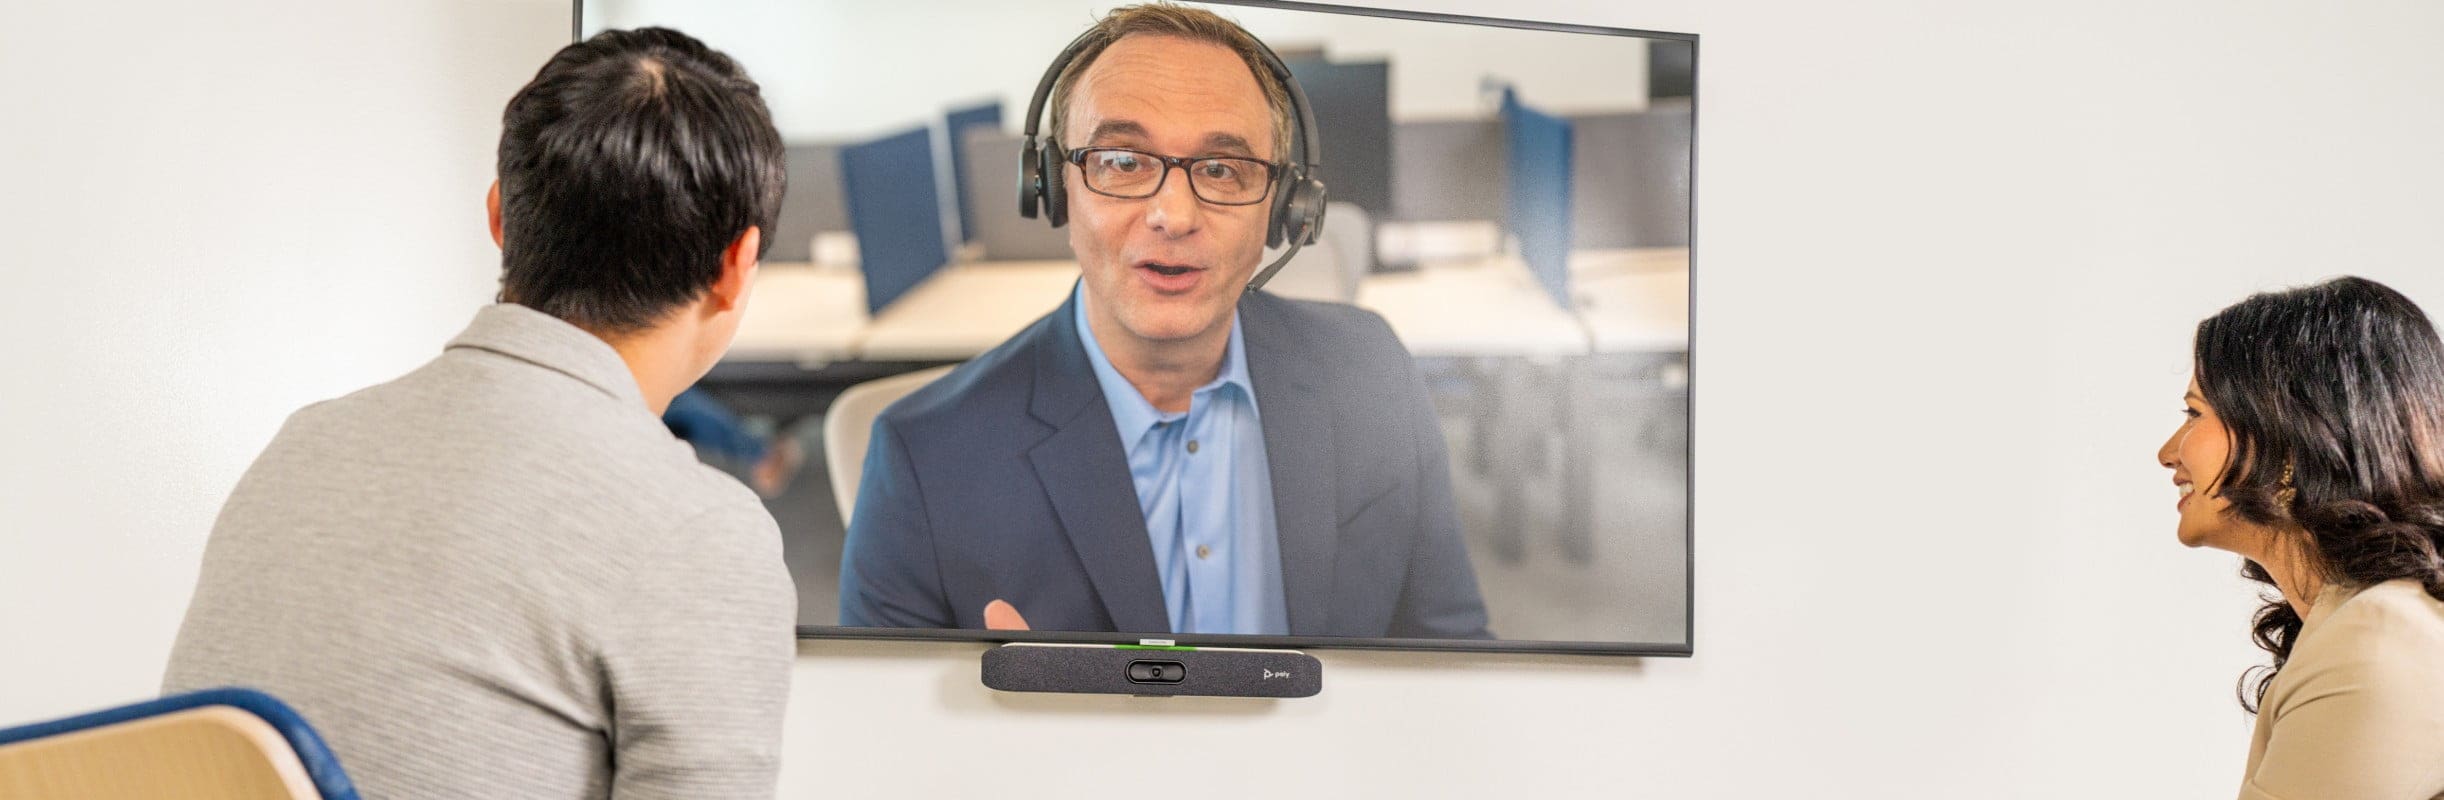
1247,324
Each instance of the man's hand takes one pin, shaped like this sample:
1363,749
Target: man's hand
999,615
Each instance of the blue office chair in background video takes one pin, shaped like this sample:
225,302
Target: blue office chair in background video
217,744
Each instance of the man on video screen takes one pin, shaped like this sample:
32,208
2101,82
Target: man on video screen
1167,452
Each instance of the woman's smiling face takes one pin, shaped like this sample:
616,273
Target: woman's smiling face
2198,453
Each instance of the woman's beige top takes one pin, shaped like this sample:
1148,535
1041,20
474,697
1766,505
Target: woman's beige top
2358,712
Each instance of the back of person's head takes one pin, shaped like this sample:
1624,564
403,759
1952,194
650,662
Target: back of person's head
2334,398
627,167
1182,22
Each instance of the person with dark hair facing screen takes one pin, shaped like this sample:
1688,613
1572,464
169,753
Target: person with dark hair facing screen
1168,451
2314,448
499,575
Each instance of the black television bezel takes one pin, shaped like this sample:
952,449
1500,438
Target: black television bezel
1685,648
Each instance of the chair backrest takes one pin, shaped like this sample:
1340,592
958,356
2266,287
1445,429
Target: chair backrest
1330,269
850,422
1314,274
218,744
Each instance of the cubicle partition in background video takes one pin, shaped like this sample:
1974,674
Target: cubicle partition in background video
1514,202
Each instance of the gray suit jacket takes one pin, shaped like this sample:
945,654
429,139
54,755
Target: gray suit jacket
500,576
1006,479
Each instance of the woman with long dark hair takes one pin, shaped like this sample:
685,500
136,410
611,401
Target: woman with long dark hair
2314,448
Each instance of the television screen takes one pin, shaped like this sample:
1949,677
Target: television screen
1256,324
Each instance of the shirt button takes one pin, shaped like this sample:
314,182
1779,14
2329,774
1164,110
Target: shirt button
1192,447
1204,552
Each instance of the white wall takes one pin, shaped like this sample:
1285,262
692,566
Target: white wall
827,79
1949,256
214,214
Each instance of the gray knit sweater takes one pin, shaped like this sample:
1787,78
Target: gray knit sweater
500,576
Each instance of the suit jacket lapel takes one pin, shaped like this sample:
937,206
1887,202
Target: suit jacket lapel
1086,474
1298,449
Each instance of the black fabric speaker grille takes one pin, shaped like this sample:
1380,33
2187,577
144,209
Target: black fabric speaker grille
1105,670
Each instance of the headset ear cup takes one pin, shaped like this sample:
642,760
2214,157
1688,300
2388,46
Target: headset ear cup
1277,223
1301,218
1311,211
1056,190
1030,184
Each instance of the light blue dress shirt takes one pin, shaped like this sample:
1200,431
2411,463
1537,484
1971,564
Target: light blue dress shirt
1206,492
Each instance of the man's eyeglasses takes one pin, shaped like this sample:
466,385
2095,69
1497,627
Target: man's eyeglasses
1135,174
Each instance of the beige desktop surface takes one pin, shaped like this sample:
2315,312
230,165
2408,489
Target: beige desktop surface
804,313
1633,301
1476,307
966,309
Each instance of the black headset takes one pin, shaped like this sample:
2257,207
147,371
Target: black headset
1297,214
